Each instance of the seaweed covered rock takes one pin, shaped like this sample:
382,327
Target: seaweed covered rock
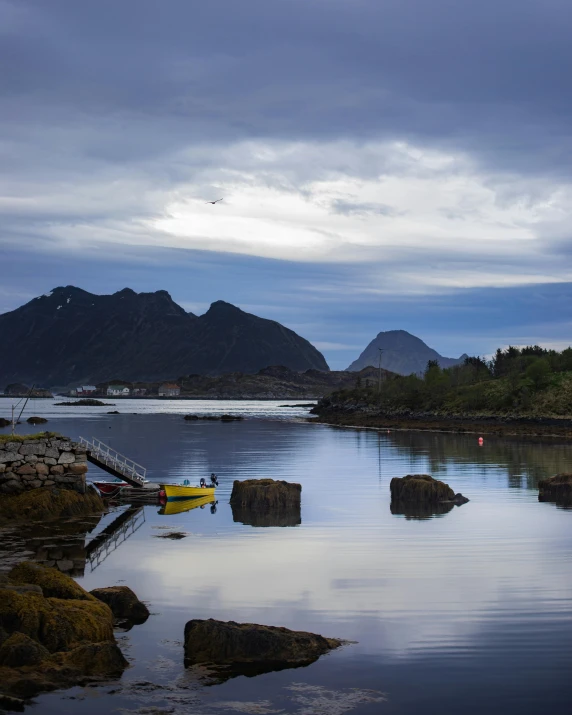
229,643
34,420
123,602
259,494
51,582
53,633
423,489
556,489
47,503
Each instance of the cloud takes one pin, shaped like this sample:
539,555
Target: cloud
368,154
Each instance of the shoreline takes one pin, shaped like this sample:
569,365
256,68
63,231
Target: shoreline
552,428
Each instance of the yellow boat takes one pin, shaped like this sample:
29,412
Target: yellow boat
177,506
182,491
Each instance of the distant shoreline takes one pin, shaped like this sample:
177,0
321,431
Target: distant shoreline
552,427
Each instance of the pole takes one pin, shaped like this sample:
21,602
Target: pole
379,383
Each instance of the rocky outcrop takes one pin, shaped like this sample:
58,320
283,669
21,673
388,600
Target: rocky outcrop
556,489
47,503
36,420
53,633
264,494
124,604
423,489
4,422
221,643
41,461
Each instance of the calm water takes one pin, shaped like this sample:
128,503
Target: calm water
468,611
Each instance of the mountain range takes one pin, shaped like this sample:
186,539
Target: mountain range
402,353
72,337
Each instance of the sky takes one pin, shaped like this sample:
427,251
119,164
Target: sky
383,164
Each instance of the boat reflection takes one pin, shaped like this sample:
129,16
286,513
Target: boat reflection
181,505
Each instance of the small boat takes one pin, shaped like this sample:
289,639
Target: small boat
181,491
186,491
111,489
177,506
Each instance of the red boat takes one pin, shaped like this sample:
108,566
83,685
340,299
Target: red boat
110,489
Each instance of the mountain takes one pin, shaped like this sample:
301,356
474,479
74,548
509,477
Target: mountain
71,337
402,353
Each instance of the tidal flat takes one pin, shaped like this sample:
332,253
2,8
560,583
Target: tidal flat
468,608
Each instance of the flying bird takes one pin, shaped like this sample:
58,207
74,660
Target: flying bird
213,202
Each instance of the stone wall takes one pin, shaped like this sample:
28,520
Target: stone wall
42,462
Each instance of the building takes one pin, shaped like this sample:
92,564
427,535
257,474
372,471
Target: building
86,390
169,390
139,391
118,391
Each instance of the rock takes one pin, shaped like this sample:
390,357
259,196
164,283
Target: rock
231,418
556,489
35,484
66,458
260,494
97,659
53,453
50,461
55,637
36,420
30,448
19,649
230,643
191,417
4,422
2,468
58,469
9,456
26,469
53,583
77,468
422,489
123,602
113,412
31,459
42,469
45,503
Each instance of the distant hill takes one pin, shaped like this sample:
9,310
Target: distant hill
70,336
402,353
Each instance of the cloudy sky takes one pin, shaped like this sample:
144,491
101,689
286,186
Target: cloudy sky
384,163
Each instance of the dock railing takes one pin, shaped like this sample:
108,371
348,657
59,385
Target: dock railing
105,454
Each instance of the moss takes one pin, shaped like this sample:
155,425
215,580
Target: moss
265,493
47,503
24,437
55,623
54,583
19,649
220,643
420,488
556,489
48,642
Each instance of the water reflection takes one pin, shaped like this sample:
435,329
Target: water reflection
179,506
419,511
277,516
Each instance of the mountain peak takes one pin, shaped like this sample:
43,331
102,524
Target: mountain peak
221,307
400,352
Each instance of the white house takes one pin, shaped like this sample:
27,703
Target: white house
118,391
169,390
